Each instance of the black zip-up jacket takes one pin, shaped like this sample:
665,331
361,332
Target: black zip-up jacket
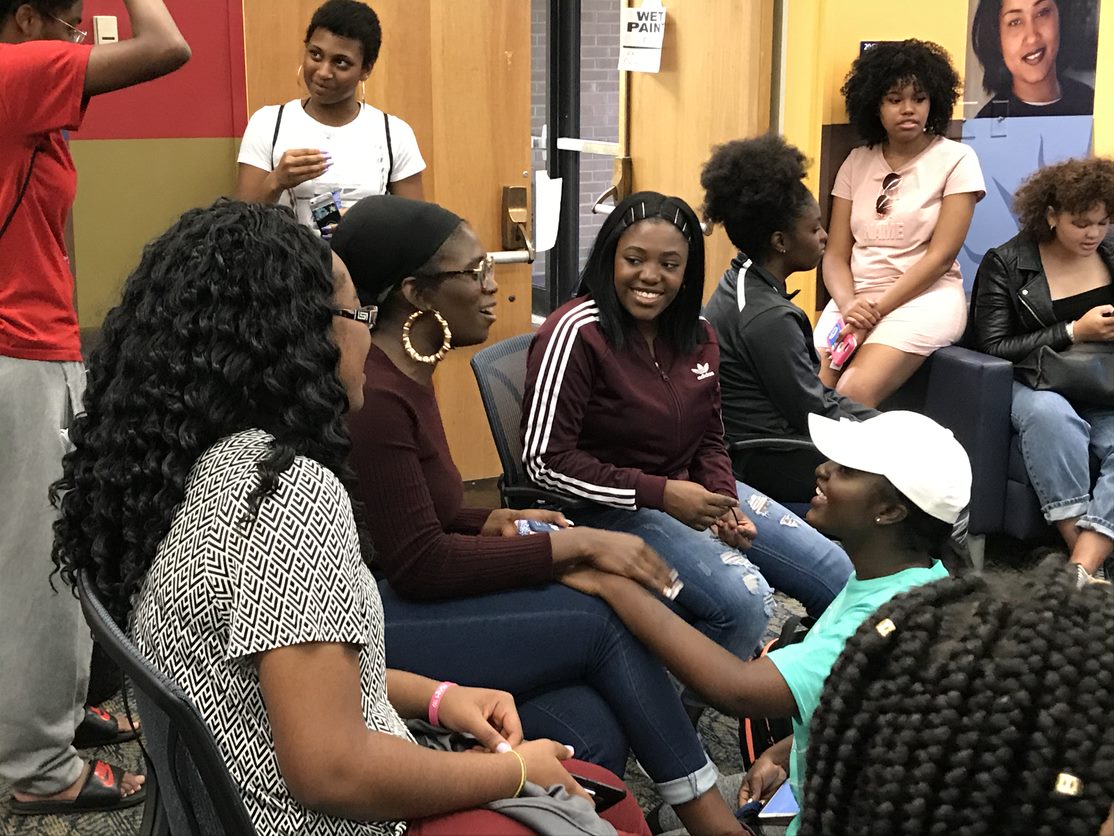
769,368
1011,305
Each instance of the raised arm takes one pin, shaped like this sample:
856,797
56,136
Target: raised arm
155,48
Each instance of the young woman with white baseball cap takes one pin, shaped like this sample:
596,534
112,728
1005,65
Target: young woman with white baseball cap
892,489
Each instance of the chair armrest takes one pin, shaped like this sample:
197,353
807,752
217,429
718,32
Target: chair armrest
523,496
772,443
971,394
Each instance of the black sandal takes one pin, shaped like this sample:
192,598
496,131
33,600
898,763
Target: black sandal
99,728
100,793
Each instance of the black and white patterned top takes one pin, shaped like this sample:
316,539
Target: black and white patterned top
219,592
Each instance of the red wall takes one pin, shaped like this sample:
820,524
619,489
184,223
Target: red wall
206,98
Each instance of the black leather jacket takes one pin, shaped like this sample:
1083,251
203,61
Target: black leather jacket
1011,306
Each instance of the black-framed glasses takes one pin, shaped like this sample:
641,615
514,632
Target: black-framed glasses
368,314
886,197
482,273
78,36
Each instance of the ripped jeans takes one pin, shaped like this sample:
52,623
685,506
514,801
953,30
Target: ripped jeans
727,593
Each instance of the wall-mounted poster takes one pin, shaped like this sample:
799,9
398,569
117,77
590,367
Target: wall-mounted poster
1031,58
1025,59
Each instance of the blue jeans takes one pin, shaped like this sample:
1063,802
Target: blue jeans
1056,439
577,675
727,593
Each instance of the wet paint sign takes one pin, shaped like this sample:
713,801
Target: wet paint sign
641,37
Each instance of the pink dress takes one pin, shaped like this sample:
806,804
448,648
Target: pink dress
886,246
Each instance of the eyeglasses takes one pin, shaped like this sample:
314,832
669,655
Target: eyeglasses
78,36
888,194
482,273
368,314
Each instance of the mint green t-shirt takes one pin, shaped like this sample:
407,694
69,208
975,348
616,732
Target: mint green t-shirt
806,665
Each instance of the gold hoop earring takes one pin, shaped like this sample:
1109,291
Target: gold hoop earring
446,344
298,77
363,94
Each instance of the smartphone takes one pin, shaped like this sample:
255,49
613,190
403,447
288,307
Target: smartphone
535,527
843,350
325,209
605,796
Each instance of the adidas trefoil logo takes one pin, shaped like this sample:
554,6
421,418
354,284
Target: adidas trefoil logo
702,371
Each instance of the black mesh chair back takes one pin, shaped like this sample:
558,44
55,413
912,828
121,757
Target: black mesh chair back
500,371
196,791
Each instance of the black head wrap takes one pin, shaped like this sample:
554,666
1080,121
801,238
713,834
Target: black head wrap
383,239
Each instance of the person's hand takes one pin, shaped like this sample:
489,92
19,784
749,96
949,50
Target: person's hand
863,313
762,779
543,766
585,579
489,716
1095,326
500,522
297,165
736,530
693,505
617,553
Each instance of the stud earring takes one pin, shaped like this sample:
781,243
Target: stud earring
878,520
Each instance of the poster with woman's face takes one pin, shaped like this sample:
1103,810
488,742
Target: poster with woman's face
1031,58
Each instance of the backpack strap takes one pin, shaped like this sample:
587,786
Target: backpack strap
390,152
22,191
274,139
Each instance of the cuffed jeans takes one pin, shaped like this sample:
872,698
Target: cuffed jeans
576,672
1057,439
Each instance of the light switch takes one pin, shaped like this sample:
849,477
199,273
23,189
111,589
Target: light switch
105,30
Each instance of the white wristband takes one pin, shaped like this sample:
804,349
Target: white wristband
1071,331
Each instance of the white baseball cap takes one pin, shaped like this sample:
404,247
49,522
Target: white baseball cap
919,457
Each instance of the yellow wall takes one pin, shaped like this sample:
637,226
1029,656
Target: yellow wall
115,213
823,39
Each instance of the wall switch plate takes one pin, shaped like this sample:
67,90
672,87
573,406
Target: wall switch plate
105,30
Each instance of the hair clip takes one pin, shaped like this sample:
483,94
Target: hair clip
1068,784
885,627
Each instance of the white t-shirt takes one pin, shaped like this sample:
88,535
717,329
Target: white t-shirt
359,151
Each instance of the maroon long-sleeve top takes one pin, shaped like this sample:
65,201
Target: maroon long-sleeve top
426,541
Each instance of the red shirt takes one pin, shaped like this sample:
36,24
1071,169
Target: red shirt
41,84
428,544
612,426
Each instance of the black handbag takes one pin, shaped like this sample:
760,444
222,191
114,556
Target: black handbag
1084,373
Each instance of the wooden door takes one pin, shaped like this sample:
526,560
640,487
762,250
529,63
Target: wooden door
459,74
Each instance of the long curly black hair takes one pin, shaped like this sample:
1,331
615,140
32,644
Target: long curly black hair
964,718
753,187
680,323
225,325
875,71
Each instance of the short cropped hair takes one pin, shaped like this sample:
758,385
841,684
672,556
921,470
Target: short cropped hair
883,65
350,19
48,8
1071,186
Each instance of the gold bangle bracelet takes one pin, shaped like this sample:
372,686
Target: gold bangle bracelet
522,778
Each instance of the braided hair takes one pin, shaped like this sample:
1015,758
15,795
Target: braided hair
979,704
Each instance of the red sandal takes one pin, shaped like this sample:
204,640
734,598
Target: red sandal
100,793
99,728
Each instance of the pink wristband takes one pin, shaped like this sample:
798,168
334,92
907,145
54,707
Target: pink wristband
435,701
